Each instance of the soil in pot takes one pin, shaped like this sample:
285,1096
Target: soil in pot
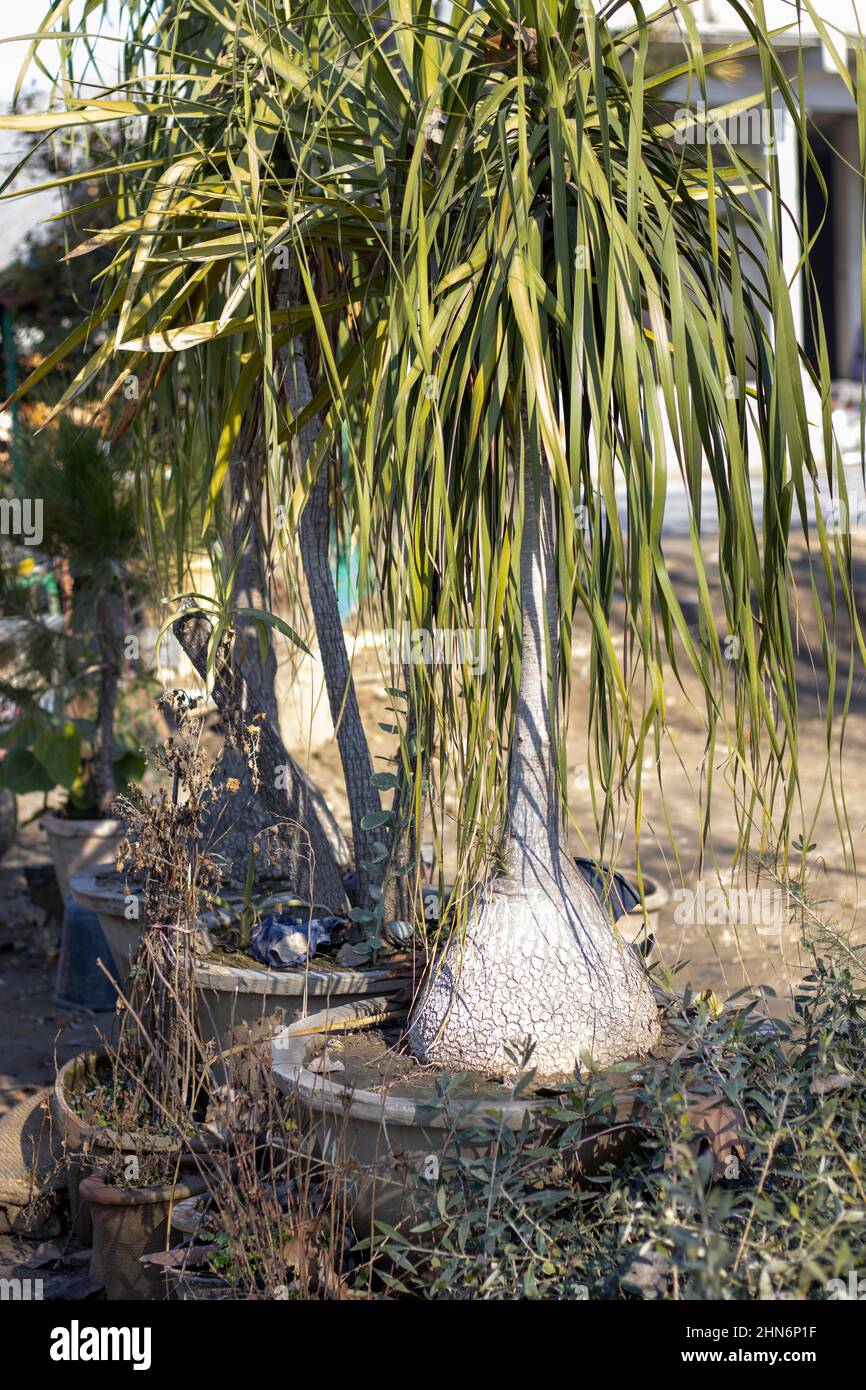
79,1110
129,1222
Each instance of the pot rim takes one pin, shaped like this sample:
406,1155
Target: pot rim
324,1096
95,1189
104,1138
328,1097
101,827
241,979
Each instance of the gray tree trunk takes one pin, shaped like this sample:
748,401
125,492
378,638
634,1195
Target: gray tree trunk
281,790
109,622
539,967
259,678
315,535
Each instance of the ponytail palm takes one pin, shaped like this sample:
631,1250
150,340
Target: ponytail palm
572,305
536,296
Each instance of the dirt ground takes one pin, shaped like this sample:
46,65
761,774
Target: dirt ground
729,956
35,1030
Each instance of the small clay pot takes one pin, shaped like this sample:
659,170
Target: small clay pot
129,1222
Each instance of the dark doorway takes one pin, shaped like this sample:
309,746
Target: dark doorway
822,265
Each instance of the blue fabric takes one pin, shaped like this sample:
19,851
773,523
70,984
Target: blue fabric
281,940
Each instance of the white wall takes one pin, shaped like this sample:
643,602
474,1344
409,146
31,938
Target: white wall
718,14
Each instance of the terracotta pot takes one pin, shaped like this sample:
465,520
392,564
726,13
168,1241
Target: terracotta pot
129,1222
85,1145
77,846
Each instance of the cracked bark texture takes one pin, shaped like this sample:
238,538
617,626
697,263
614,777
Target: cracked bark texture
315,537
310,865
539,962
251,590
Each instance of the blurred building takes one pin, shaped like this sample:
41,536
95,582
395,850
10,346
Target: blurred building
811,51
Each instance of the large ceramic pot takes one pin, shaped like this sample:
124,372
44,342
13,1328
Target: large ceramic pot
84,1145
77,846
393,1144
236,999
232,994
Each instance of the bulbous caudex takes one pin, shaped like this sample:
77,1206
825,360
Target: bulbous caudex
539,961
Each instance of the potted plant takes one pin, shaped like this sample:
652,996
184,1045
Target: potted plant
53,742
142,1109
243,982
564,311
280,1228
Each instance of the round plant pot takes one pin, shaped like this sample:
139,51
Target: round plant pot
235,999
77,846
624,896
232,996
393,1144
129,1222
84,1145
92,890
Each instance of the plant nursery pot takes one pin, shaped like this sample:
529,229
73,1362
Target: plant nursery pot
77,846
393,1143
624,895
129,1222
86,973
235,999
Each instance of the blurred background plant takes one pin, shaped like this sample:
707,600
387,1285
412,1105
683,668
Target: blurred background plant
73,665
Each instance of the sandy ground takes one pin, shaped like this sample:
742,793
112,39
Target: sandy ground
729,955
34,1029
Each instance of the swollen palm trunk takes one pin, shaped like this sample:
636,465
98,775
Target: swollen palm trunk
539,961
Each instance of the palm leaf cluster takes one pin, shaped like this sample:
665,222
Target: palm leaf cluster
473,213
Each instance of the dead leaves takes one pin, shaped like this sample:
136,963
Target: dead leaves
718,1127
502,46
836,1081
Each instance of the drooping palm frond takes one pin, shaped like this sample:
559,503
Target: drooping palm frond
496,204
